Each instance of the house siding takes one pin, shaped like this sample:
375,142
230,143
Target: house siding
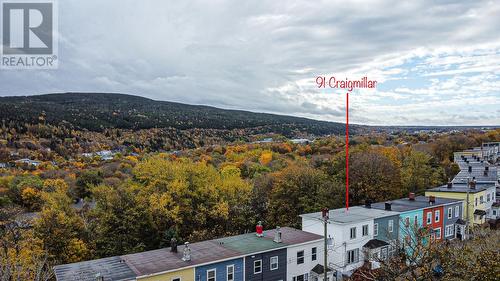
221,270
454,217
267,274
383,228
185,275
435,224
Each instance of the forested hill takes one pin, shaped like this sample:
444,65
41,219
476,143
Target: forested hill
98,111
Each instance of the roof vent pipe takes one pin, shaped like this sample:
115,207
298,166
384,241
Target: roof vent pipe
186,253
277,235
173,245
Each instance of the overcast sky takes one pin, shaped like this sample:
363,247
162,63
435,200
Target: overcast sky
437,62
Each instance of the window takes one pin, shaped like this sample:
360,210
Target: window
449,230
375,229
429,217
352,256
274,263
437,232
391,226
211,275
457,211
300,257
450,213
407,222
488,197
416,220
353,232
494,212
383,253
304,277
365,230
476,201
437,214
230,272
257,266
314,252
481,199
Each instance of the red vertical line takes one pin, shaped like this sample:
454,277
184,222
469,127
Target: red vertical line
347,152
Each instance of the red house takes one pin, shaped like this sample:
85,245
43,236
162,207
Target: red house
433,219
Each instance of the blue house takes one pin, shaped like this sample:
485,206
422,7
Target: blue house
230,270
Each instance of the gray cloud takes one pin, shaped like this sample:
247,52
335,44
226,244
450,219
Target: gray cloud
264,56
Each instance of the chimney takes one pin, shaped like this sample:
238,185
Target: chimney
259,229
450,184
470,169
485,173
277,235
432,200
487,168
368,203
411,196
173,245
325,213
186,253
472,184
388,206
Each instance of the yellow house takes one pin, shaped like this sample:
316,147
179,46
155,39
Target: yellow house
480,199
179,275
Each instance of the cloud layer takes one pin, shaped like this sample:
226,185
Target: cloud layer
437,62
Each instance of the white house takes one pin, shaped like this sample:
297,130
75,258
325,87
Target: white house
305,262
349,231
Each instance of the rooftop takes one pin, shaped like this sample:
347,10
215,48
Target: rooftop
354,214
126,267
462,188
113,268
420,202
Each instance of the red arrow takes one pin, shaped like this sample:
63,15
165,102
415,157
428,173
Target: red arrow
347,152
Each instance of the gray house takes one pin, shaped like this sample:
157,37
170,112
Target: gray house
452,213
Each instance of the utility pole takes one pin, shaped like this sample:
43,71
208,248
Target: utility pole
467,218
326,215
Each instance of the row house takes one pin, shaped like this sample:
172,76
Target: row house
355,235
275,255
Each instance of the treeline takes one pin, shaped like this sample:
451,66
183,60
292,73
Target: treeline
99,111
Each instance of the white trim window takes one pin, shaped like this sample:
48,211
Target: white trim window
390,228
450,212
364,231
437,232
416,220
437,215
353,233
429,217
273,261
352,256
300,257
457,211
375,229
449,230
314,253
257,267
211,274
230,272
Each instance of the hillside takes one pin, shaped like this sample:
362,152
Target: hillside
99,111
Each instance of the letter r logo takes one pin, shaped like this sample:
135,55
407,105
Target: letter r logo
27,28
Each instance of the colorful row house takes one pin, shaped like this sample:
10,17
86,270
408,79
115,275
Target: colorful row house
275,255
